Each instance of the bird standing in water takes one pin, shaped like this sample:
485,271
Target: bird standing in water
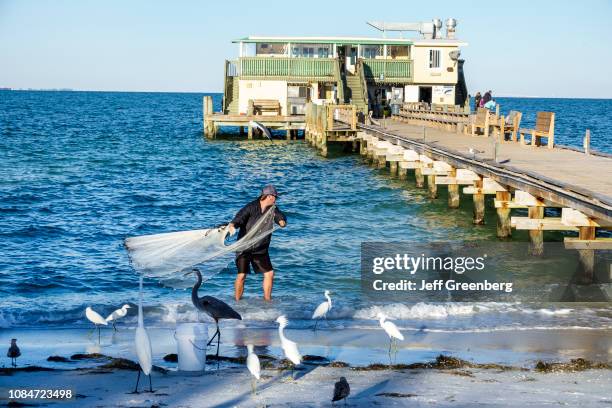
143,346
96,319
321,310
213,307
253,366
117,314
289,347
341,390
13,352
392,331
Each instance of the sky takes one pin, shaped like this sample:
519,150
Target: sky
538,48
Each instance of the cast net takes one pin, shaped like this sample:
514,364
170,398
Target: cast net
167,256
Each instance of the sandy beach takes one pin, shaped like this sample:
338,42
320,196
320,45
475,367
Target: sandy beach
520,368
313,386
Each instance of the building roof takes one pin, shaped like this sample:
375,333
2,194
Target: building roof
326,40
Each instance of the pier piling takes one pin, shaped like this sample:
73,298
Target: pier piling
536,237
479,203
504,228
432,187
207,109
453,192
586,257
419,178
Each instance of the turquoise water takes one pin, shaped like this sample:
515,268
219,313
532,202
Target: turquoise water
84,170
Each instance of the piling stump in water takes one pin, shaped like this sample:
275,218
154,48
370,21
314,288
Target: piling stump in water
536,237
479,204
504,229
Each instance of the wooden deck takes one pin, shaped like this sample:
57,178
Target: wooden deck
565,177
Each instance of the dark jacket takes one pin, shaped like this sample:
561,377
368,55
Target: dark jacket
247,217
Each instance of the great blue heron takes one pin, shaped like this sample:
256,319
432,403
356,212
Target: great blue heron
96,319
13,352
117,314
341,390
322,309
215,308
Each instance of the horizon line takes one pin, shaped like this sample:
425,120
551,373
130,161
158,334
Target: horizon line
8,89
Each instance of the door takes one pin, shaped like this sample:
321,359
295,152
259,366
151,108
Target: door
351,58
425,94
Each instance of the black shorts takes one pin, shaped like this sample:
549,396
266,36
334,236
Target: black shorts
261,263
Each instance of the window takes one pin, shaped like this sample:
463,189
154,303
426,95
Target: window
372,51
434,58
397,52
323,52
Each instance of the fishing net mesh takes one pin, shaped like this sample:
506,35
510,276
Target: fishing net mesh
169,255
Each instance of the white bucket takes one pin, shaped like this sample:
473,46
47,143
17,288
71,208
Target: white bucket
191,339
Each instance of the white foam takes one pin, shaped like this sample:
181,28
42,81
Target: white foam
417,311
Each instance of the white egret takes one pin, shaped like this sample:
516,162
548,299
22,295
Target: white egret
321,310
143,346
392,331
117,314
96,319
253,366
289,347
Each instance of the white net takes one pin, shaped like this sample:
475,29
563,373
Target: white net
166,256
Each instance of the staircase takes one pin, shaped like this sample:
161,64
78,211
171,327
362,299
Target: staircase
354,89
231,95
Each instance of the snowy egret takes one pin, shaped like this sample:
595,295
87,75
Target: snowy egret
261,127
13,352
143,346
253,366
96,319
391,329
117,314
322,309
289,347
215,308
341,390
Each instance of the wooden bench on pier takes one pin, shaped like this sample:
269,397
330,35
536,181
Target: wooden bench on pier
261,106
545,127
504,125
481,120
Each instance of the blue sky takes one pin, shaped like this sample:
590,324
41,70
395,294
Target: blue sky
524,48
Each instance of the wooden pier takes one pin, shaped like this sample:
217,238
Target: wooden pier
213,121
514,175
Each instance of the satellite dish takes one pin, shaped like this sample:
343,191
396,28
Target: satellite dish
454,55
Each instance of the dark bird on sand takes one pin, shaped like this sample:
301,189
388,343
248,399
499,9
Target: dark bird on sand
13,352
215,308
341,390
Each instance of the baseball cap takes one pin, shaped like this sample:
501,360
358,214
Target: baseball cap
269,190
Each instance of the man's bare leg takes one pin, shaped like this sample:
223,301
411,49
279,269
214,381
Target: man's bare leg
239,285
268,281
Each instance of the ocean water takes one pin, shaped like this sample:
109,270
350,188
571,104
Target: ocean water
81,171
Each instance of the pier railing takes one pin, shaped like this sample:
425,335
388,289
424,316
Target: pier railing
272,67
384,71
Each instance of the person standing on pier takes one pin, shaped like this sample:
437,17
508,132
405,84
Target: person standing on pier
258,255
477,99
486,98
